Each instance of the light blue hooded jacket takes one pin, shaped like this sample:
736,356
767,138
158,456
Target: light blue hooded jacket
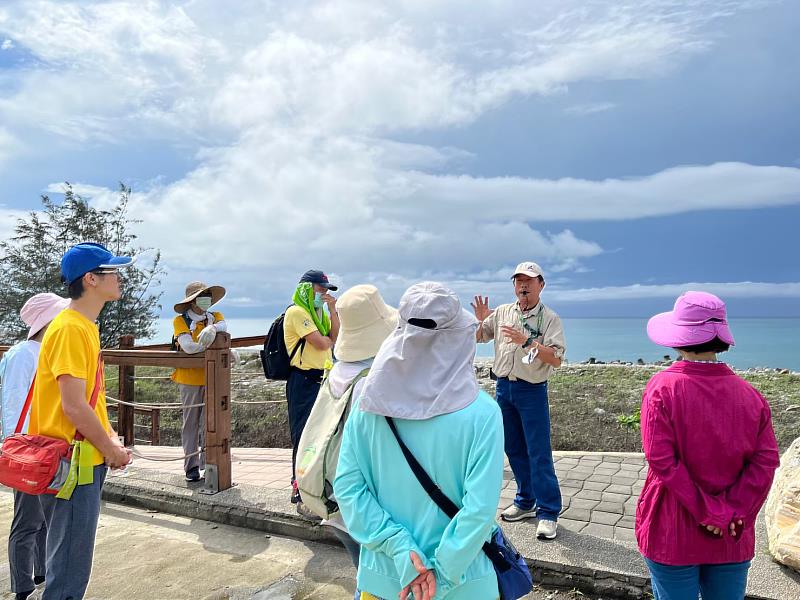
389,513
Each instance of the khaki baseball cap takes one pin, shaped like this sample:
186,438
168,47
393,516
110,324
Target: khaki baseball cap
531,269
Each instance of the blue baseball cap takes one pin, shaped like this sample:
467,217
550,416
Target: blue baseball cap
88,256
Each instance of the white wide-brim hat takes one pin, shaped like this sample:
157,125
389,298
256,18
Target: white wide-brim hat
366,320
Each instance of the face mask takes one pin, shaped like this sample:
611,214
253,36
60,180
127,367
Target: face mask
317,300
203,303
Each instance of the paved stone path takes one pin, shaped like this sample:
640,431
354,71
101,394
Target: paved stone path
599,490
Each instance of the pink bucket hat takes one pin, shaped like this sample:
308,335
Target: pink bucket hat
698,317
40,309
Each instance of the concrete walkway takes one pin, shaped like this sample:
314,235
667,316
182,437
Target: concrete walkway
595,549
599,491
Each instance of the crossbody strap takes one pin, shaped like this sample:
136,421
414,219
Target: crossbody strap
433,490
298,346
98,380
447,506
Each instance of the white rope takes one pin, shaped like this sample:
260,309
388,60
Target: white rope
166,405
258,401
138,454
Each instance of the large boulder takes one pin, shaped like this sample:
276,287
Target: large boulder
782,511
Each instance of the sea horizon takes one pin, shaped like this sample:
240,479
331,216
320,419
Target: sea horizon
760,341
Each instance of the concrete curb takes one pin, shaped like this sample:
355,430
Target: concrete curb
610,568
267,510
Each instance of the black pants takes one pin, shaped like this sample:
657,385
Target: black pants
302,388
27,542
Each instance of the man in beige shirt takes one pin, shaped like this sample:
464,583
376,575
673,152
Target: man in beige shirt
529,345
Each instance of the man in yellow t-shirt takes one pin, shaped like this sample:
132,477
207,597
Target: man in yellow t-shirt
65,381
194,330
312,333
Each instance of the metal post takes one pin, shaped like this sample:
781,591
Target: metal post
218,415
127,391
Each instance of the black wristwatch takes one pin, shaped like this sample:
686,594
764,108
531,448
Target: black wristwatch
528,342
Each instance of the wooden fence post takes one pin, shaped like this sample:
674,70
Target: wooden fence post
218,415
127,391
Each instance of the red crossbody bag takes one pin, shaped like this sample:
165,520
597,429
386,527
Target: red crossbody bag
34,463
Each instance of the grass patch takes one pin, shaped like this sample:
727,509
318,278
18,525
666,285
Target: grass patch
588,405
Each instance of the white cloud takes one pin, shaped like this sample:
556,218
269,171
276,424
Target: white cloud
672,191
8,143
742,289
8,221
7,44
581,110
177,71
338,204
101,197
291,110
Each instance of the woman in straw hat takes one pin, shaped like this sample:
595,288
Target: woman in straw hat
708,439
366,321
423,378
26,540
195,329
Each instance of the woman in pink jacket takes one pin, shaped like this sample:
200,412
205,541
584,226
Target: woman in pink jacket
711,451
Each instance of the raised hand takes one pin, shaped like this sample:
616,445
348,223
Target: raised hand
514,335
481,307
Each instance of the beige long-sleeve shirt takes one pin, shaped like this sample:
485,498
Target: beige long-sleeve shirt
508,355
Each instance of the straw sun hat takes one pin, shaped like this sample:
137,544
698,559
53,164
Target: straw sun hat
198,288
366,321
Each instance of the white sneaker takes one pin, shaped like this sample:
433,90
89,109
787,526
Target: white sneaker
546,529
515,513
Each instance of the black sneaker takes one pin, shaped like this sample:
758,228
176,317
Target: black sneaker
193,474
22,595
38,580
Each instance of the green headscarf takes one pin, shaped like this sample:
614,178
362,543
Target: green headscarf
304,298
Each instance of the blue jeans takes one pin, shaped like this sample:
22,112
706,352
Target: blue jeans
71,528
526,422
26,542
715,582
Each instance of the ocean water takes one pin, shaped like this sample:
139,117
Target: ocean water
759,342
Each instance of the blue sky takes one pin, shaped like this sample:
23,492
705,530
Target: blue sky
635,149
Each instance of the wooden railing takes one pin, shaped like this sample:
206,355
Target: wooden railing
217,364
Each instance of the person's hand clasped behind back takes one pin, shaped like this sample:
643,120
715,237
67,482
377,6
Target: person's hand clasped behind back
423,587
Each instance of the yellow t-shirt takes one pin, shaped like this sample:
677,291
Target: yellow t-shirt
298,324
179,327
71,346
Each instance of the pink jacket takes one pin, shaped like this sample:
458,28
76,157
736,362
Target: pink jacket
710,448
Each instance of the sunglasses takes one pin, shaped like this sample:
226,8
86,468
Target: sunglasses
105,272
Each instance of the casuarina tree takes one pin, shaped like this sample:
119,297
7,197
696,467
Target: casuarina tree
30,262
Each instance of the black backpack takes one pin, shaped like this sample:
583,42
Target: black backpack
275,359
174,344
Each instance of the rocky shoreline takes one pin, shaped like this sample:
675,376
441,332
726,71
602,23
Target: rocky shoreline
483,365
